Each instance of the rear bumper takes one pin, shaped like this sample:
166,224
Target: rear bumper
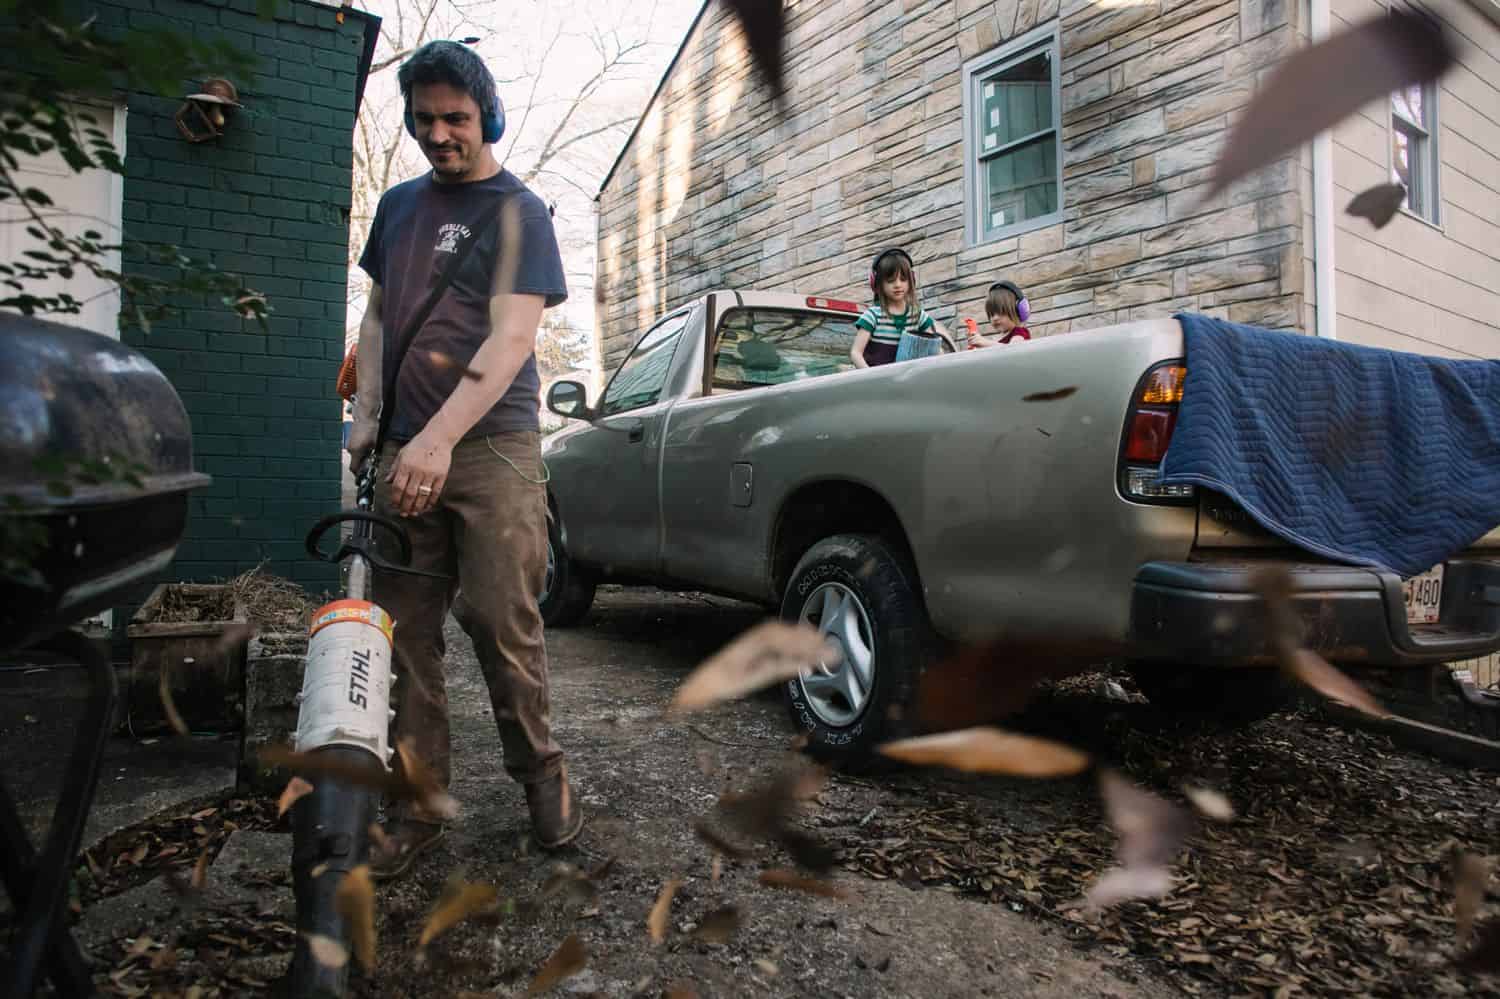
1208,613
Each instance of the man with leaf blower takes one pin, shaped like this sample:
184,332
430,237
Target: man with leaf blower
463,261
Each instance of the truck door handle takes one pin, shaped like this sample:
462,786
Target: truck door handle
637,434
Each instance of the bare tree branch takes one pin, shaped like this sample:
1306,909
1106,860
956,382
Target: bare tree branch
550,150
535,82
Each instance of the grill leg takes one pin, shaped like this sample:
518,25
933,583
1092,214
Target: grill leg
65,964
38,889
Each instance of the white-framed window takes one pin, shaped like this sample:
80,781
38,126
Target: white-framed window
1012,137
1414,148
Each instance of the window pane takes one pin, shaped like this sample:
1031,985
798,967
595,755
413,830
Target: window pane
767,347
1406,166
641,377
1016,102
1021,184
1410,105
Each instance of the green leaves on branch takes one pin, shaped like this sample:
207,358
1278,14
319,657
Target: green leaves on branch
55,54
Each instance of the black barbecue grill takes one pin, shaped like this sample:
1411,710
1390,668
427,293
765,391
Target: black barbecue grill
96,463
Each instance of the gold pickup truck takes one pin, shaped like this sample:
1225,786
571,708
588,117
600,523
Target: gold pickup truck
1005,491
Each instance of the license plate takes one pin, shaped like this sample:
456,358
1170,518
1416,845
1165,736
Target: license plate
1424,596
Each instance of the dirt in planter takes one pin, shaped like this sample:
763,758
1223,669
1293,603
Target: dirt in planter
274,605
179,606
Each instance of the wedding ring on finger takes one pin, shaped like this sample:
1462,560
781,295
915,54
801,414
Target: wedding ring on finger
424,489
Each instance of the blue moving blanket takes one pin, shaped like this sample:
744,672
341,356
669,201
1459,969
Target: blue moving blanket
1364,456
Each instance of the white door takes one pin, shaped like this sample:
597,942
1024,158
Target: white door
84,201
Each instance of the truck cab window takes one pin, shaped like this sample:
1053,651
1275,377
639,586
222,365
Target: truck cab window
758,347
640,379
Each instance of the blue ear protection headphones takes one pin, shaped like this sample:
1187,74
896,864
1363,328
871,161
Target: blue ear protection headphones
492,122
875,267
1023,307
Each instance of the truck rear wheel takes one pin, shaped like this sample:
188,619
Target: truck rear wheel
858,590
568,589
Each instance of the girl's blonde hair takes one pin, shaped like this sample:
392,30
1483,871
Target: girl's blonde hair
890,265
1003,302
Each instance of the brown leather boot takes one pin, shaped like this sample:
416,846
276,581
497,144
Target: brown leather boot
556,819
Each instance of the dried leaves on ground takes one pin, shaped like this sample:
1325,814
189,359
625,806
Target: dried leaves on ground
1335,878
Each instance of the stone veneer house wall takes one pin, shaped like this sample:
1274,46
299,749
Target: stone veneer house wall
1083,178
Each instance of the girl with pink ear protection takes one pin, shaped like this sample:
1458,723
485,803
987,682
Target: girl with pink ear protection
1008,310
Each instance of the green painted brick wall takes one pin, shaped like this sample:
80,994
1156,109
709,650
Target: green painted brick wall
270,201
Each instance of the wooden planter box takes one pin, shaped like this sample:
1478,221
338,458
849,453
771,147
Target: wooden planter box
205,671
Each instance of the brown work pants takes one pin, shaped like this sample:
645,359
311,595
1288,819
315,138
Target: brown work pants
489,533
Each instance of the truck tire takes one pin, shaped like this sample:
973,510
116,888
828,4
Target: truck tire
1228,697
568,589
858,589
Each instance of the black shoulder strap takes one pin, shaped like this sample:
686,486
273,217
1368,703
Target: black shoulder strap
388,389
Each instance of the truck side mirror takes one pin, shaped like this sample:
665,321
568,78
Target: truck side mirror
569,400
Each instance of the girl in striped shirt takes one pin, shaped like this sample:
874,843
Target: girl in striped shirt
895,311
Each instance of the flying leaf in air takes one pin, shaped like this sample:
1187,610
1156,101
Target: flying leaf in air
1210,803
295,790
568,960
1379,204
764,24
792,881
769,653
326,951
656,922
719,926
1149,830
989,751
1320,85
458,901
1471,876
354,899
1301,664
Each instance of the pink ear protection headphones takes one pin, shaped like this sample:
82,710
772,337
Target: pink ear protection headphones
875,267
1023,307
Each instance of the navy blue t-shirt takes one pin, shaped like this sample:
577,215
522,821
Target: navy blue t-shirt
418,226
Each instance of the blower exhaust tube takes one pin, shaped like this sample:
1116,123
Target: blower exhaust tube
344,713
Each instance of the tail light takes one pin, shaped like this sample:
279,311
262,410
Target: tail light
1148,431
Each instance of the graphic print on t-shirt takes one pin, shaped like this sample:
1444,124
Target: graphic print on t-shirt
449,237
